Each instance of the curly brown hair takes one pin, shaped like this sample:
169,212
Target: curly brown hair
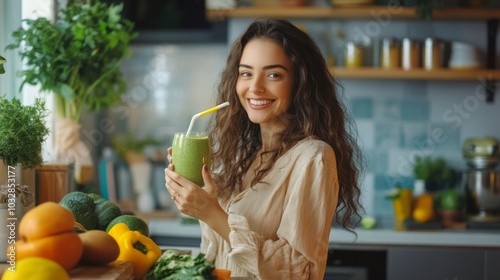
315,111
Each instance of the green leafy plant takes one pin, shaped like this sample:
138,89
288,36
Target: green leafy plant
129,143
23,131
433,170
2,61
77,57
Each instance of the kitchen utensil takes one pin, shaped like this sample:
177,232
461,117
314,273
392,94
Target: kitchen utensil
482,195
481,152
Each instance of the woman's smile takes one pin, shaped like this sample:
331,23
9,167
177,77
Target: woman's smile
259,104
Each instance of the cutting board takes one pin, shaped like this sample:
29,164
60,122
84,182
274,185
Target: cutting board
117,270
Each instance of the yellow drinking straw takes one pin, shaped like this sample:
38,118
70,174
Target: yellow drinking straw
211,110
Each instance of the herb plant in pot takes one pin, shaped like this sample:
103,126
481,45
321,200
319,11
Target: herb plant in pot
77,58
22,133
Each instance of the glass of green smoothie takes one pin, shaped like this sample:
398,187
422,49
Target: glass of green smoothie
189,153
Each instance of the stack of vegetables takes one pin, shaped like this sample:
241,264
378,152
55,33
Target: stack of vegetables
87,229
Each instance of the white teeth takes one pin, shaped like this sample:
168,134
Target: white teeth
260,102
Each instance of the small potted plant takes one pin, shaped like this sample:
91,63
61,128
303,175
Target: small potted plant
449,204
22,133
436,174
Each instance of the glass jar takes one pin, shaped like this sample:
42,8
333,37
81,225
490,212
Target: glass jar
410,57
353,55
390,56
433,54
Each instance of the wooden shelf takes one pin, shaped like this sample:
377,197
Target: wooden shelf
417,74
368,12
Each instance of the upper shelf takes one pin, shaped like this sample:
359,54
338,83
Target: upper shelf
353,12
417,74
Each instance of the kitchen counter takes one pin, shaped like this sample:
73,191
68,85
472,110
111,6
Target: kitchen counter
472,238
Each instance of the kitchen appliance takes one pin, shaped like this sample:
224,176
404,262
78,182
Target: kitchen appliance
481,152
481,181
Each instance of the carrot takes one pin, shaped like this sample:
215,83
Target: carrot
222,274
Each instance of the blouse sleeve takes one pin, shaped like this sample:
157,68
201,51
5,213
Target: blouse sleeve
301,250
208,244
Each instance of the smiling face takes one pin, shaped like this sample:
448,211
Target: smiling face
265,82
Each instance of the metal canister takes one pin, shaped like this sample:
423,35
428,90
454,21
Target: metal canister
433,54
410,57
391,53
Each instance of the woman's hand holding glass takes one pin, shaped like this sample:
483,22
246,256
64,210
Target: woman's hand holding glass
191,199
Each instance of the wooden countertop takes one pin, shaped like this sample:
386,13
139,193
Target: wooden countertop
117,270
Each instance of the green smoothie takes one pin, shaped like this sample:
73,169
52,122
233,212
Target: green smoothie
189,154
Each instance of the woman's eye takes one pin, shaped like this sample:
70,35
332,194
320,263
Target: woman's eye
245,74
274,75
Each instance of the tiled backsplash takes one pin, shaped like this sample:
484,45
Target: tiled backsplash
397,119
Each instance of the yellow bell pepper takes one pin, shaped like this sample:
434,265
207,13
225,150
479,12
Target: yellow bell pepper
126,239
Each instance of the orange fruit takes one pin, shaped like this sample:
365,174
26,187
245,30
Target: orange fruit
424,208
46,219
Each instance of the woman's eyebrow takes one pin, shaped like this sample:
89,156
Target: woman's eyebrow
266,67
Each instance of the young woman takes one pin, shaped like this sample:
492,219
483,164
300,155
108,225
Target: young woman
284,160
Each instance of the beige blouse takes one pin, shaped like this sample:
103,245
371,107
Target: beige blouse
280,228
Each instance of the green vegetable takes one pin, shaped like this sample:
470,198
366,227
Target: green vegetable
78,196
174,266
368,222
22,132
106,212
84,213
133,223
96,198
90,210
78,56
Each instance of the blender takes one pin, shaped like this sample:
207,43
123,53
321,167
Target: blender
481,181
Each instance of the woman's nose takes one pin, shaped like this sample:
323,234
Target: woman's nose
257,86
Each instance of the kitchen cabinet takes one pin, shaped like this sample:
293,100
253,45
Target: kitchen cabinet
492,266
442,263
489,15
